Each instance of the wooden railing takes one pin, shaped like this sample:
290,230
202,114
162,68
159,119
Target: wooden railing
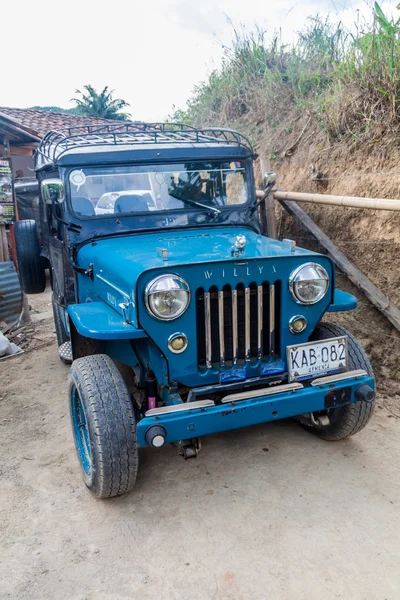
289,202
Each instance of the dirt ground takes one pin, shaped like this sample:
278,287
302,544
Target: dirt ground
265,513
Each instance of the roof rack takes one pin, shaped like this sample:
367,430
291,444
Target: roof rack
55,143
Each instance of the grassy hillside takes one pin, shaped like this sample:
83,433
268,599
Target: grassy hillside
346,81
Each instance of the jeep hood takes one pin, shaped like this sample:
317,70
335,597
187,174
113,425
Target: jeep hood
122,259
121,267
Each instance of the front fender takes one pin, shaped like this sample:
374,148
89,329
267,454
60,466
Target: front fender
99,321
342,301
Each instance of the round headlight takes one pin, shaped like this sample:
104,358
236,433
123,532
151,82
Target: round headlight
309,283
167,297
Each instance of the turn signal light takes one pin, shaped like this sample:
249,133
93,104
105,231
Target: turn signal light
297,324
177,343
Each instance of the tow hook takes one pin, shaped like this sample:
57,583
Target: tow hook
310,420
189,448
320,420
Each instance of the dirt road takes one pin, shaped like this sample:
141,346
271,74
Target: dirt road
266,513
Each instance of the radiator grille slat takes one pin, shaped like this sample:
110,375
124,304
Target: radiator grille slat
207,304
237,324
221,327
272,320
235,328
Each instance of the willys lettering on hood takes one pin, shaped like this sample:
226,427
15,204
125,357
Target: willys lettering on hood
123,259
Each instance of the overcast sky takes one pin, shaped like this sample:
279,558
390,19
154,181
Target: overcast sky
152,52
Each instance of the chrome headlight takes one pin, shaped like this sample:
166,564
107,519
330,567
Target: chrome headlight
167,297
309,283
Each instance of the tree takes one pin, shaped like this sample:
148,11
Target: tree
94,104
55,109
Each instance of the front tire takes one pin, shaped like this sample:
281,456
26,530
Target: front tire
351,418
104,426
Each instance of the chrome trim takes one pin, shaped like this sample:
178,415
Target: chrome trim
53,184
207,315
339,377
295,318
277,389
172,337
234,328
172,408
247,323
272,319
147,292
104,280
221,328
292,281
240,245
259,321
124,306
224,387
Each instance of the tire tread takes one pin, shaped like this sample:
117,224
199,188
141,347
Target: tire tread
356,415
111,419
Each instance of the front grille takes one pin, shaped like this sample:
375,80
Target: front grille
237,324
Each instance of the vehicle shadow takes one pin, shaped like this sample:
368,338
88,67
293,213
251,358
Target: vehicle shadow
236,460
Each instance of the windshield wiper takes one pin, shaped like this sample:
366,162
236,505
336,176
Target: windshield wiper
195,203
267,191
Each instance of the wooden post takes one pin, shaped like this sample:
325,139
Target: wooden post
391,312
271,218
4,253
267,209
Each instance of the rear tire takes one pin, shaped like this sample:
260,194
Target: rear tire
104,426
31,266
351,418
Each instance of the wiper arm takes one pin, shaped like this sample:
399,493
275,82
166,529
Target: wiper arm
267,191
195,203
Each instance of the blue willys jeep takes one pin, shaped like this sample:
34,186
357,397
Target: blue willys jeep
181,315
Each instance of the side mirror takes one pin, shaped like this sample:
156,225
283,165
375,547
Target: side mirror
53,191
268,177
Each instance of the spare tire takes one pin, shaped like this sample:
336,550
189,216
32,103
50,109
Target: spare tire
31,266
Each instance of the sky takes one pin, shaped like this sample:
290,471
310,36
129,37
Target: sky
151,52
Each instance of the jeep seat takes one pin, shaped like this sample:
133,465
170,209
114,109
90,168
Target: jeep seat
130,203
83,206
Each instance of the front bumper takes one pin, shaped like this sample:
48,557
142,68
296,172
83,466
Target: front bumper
280,402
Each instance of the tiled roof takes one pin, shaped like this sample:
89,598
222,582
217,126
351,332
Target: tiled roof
36,123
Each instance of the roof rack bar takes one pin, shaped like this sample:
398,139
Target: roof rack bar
55,143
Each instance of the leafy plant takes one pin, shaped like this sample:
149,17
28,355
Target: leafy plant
94,104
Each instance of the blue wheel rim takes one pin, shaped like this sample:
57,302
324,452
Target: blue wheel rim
81,431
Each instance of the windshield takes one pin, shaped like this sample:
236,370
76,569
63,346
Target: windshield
125,190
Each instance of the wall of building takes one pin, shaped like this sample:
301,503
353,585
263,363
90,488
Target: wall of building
22,166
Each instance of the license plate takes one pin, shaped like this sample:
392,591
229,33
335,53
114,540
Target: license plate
314,359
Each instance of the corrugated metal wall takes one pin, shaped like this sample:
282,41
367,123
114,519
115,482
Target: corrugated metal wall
10,293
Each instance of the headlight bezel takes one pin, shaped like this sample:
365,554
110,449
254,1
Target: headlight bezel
293,279
149,291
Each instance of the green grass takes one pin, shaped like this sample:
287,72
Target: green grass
348,81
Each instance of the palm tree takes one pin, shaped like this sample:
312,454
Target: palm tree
94,104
